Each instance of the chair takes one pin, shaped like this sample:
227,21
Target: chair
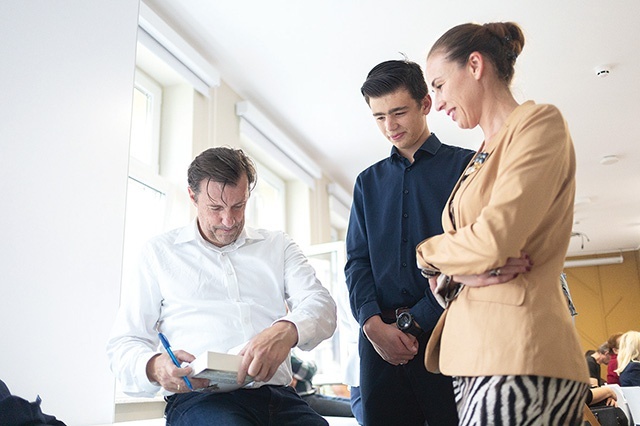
622,401
632,395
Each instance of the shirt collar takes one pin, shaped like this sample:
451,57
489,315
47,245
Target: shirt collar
192,233
430,146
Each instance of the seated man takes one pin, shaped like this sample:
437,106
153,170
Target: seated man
594,360
216,285
325,405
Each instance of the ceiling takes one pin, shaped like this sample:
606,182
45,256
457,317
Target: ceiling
302,63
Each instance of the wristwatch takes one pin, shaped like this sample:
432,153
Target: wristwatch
406,324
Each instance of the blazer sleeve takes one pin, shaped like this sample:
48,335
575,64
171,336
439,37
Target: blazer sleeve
631,375
534,168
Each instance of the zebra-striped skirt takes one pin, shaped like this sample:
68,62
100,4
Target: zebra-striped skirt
519,400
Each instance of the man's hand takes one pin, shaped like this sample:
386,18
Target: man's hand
160,369
265,352
503,274
392,345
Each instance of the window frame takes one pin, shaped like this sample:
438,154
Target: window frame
153,90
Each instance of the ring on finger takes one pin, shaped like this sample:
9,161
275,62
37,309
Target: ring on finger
178,388
495,272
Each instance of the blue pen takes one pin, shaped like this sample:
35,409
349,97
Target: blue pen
167,346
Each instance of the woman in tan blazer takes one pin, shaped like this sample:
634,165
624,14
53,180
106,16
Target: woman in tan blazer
507,338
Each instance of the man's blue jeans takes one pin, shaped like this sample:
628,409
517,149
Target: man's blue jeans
267,405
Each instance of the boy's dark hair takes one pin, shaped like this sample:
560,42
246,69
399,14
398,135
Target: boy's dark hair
389,76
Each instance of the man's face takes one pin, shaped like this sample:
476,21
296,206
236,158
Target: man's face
221,212
401,119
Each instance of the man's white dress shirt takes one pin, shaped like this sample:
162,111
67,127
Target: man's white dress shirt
209,298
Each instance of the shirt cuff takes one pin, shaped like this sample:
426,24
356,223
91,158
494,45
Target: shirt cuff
368,310
142,381
291,320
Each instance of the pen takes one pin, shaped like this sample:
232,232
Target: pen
167,346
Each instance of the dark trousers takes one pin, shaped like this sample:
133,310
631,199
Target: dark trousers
267,405
404,395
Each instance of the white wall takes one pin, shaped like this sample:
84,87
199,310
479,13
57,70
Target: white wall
65,84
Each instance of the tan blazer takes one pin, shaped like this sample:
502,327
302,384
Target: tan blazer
520,199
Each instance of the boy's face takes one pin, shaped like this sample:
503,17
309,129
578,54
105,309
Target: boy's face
401,119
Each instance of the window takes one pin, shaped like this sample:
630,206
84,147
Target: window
332,355
266,207
144,219
146,191
172,81
157,199
145,122
146,195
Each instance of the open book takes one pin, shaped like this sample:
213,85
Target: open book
221,369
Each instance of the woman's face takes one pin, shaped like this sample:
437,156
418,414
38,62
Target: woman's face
455,90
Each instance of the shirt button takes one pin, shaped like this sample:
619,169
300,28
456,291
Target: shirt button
405,215
404,291
408,169
404,265
404,240
406,191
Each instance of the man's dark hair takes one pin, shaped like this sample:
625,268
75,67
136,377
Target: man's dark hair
389,76
603,349
223,165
